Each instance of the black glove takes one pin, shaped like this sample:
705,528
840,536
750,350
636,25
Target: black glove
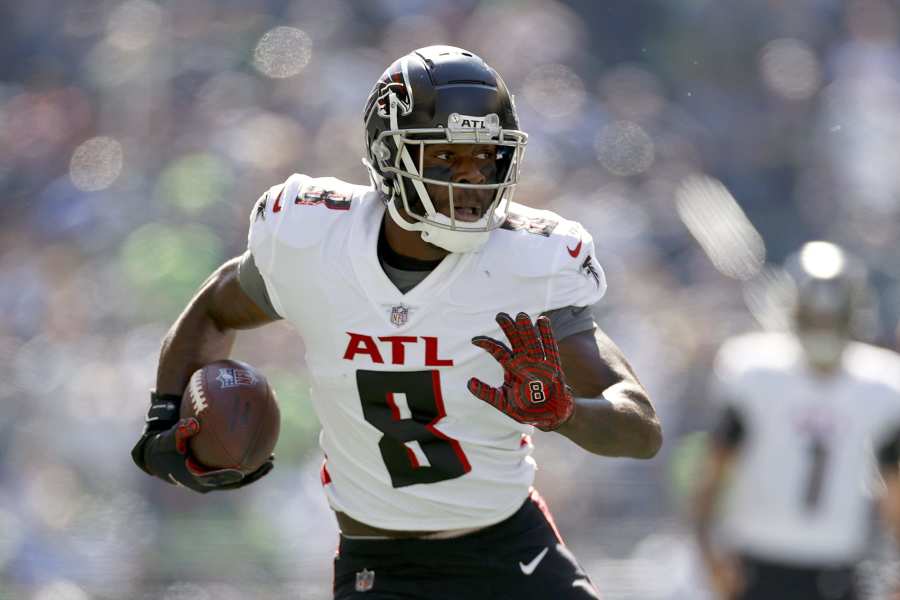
163,451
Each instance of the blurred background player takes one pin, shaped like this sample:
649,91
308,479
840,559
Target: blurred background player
790,480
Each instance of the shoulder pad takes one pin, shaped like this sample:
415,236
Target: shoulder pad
298,212
541,244
878,365
757,350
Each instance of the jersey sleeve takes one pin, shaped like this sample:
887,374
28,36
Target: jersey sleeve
723,391
287,223
729,428
273,226
578,279
251,281
889,451
570,320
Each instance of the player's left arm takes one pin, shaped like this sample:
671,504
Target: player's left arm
613,414
889,501
582,388
889,466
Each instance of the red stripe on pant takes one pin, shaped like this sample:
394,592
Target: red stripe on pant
536,497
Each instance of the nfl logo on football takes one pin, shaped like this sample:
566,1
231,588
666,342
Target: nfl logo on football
365,580
399,315
229,378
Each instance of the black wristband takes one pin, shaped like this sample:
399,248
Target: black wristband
163,412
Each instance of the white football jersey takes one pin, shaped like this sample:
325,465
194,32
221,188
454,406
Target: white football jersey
802,488
407,447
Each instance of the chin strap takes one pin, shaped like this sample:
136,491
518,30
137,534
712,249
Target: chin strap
377,180
448,239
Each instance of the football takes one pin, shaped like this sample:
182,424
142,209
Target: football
238,414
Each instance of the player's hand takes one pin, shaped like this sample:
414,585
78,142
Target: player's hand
534,388
166,455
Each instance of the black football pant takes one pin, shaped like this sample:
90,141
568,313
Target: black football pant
520,558
772,581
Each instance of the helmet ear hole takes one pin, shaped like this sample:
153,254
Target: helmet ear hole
380,151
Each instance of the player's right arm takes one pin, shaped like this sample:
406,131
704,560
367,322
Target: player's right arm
234,297
723,569
889,466
722,450
206,329
889,501
204,332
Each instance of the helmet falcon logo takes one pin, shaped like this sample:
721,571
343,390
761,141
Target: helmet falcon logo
396,83
261,208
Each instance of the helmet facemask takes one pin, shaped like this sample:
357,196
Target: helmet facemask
822,318
397,157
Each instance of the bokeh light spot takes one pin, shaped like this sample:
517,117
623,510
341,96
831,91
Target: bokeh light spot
624,148
822,259
554,91
194,182
282,52
53,492
96,164
790,68
61,590
12,535
265,141
156,254
134,24
164,265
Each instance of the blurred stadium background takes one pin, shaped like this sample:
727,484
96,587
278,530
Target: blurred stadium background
699,141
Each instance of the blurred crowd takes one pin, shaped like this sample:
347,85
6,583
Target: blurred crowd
699,142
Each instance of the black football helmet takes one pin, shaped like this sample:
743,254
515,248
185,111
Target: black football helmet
830,294
441,95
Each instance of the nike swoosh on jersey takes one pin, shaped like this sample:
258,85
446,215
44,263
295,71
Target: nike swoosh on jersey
574,252
530,567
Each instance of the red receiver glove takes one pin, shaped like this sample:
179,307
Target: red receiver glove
534,389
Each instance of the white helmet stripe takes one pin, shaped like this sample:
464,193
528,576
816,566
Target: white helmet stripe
403,155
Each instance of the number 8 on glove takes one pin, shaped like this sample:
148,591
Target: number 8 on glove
534,389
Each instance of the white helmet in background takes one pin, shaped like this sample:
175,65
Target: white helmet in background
830,291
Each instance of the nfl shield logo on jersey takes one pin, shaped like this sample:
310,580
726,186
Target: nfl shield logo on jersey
365,580
399,315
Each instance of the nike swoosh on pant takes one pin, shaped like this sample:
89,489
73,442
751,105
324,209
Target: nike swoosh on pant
530,567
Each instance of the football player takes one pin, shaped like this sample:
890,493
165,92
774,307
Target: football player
806,416
442,323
